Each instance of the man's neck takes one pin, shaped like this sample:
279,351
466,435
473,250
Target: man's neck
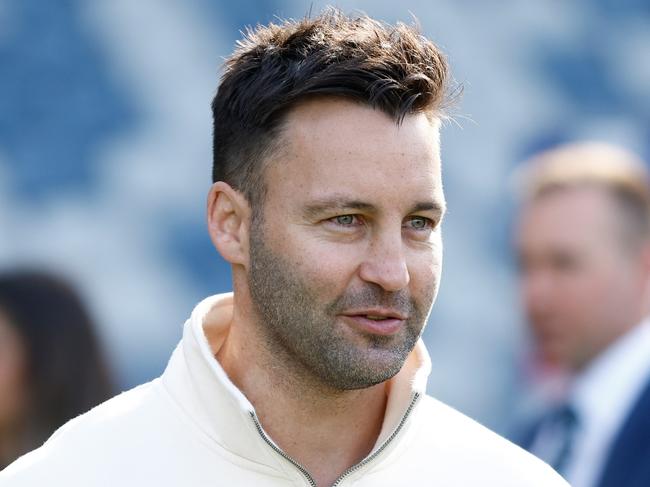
325,430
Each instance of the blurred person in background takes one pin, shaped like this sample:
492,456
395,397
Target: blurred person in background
51,366
583,242
327,203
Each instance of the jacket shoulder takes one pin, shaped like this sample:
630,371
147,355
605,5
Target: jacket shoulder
627,463
91,442
470,453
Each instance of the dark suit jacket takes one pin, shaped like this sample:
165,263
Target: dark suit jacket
628,462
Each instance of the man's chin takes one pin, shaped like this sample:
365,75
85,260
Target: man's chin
376,367
363,382
552,361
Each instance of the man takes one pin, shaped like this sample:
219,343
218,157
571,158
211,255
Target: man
584,248
327,202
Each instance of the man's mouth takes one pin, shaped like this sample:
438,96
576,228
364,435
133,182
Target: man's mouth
377,313
379,322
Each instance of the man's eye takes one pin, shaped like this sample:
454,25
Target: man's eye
346,220
420,223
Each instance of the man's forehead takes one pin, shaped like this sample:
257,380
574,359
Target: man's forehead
330,131
568,218
337,151
574,205
336,120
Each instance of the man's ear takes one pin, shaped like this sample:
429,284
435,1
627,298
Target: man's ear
228,222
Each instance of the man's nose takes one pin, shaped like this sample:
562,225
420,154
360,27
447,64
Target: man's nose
385,263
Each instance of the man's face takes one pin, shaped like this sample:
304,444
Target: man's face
346,258
581,286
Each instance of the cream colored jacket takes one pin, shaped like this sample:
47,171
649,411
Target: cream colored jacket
193,427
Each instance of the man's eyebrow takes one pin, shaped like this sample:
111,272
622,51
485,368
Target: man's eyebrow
429,206
319,207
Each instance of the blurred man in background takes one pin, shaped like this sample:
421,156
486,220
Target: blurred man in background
584,250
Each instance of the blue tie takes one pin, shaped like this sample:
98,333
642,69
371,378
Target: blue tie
565,421
554,435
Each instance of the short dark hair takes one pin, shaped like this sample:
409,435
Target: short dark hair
391,68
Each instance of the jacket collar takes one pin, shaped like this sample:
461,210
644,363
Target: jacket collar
199,385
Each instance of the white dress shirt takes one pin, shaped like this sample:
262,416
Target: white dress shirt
603,396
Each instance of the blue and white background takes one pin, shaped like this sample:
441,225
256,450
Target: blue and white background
105,156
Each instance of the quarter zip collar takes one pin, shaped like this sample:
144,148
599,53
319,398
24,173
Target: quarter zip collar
198,384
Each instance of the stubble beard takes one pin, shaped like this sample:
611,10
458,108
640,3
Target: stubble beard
302,334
